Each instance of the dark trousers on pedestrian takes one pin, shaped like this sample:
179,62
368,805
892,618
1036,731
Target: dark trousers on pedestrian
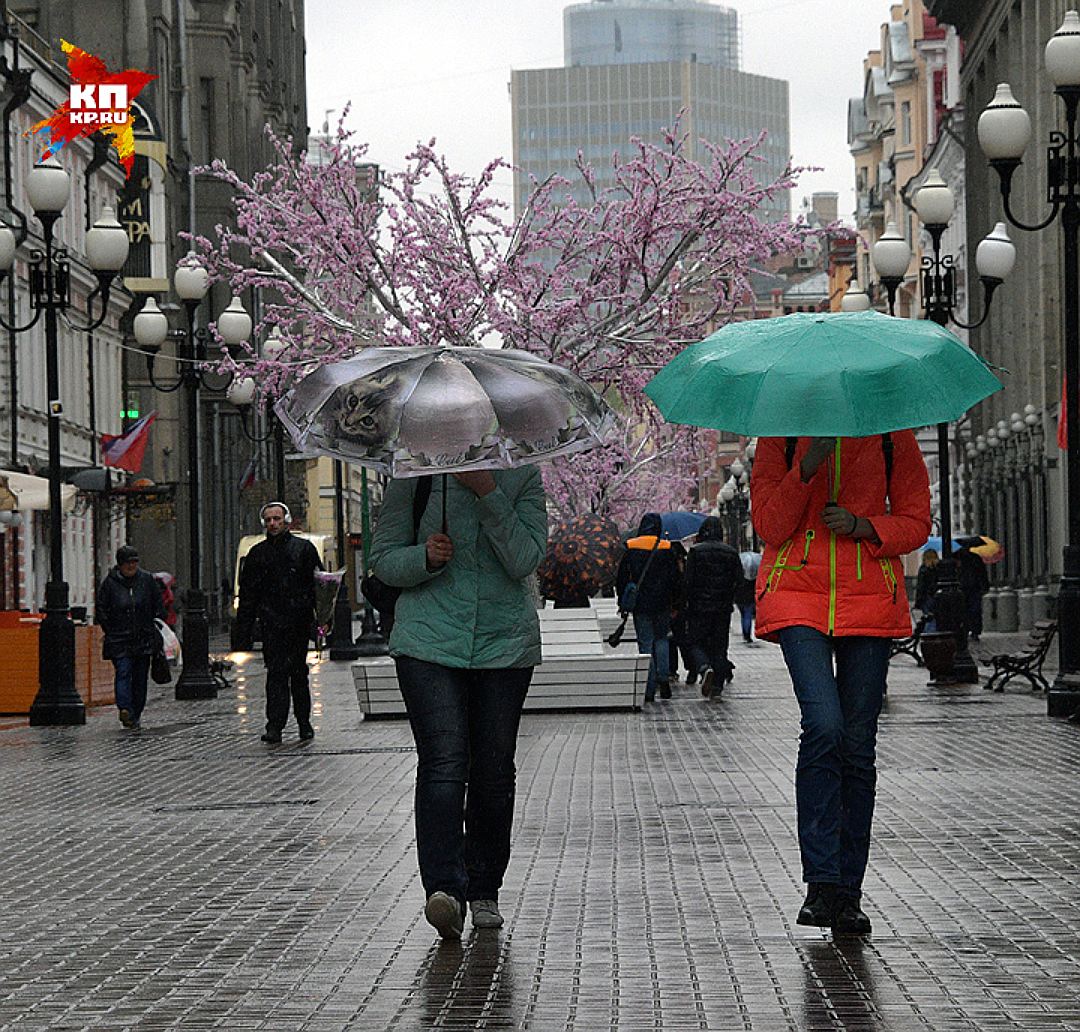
973,605
651,631
709,635
835,777
285,656
747,611
130,684
465,725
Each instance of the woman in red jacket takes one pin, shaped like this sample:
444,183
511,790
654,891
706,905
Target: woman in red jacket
835,515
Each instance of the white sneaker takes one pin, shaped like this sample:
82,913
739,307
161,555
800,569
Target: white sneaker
444,914
708,675
485,914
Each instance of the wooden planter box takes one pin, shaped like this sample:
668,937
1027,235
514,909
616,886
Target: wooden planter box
19,664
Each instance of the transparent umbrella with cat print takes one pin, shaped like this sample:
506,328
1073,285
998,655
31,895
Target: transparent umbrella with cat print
416,411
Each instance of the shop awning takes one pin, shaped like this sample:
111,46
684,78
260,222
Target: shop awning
25,492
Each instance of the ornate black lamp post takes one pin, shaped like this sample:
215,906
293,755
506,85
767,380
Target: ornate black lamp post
994,259
48,188
1004,132
735,498
241,393
151,329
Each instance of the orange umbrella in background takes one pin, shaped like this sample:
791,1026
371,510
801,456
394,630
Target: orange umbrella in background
986,548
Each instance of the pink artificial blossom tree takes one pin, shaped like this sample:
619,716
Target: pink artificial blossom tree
612,287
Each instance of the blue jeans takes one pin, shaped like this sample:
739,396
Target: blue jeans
747,612
835,777
651,631
131,675
465,725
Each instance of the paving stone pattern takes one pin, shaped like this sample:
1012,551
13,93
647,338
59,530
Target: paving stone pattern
187,876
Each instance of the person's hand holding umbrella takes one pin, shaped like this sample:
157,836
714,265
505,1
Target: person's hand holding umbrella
820,449
440,550
845,523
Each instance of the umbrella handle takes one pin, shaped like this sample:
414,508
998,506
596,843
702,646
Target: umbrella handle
444,476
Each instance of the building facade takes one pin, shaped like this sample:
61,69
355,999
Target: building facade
622,81
90,364
1016,486
612,32
225,69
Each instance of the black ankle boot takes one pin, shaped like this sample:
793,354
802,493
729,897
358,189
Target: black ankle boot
849,918
819,907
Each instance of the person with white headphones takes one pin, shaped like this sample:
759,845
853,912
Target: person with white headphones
277,587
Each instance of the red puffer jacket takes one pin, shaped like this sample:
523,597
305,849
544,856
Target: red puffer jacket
813,578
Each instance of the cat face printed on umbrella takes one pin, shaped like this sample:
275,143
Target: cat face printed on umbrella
410,411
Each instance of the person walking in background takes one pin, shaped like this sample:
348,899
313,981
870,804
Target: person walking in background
926,587
649,564
277,587
167,585
128,602
713,574
746,594
466,638
835,514
679,640
974,583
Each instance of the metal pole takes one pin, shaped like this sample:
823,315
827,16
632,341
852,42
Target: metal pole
279,458
196,681
57,701
371,641
341,641
1064,696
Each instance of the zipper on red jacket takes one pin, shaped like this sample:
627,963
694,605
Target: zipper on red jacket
834,494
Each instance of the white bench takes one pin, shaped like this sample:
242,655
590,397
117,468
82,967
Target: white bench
577,671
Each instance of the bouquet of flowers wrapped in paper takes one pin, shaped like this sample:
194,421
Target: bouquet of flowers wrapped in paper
327,586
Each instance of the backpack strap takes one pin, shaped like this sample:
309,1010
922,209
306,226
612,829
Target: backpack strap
419,504
887,452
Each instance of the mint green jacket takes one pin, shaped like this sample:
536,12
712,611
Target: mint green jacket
476,611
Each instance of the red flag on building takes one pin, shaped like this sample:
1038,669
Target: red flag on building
126,450
1063,419
247,478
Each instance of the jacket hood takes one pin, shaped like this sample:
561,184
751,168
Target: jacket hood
711,530
650,525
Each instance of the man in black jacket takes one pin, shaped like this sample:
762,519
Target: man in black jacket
649,563
713,574
277,585
128,601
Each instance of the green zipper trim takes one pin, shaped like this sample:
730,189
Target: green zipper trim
858,560
835,494
890,577
779,565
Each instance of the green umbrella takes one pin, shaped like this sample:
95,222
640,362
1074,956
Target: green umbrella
851,374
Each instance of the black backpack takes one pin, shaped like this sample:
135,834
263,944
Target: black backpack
384,596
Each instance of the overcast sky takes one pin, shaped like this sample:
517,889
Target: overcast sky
414,69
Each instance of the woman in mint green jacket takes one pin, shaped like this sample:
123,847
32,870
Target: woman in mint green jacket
465,640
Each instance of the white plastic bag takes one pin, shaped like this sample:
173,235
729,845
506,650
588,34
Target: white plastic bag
170,642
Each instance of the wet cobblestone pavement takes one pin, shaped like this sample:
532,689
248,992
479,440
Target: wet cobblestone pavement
189,877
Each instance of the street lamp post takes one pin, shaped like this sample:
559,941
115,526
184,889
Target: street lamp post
192,282
1004,132
934,204
48,188
241,394
994,259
